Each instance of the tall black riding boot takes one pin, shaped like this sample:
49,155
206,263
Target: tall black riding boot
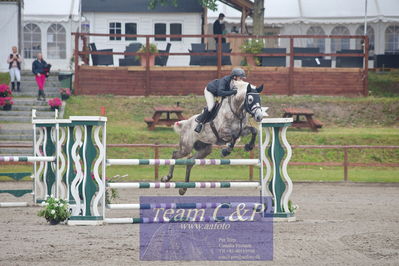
38,95
12,86
18,86
44,96
201,119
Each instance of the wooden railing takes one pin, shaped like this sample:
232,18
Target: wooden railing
219,52
346,164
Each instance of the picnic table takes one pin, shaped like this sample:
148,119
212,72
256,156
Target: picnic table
157,119
313,124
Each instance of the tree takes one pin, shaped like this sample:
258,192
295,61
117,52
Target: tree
258,17
258,12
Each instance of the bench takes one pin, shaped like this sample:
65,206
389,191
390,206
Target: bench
156,119
313,124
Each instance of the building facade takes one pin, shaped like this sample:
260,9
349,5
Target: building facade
124,17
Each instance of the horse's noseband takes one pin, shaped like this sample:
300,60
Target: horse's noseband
252,102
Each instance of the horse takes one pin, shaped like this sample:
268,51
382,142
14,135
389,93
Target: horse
230,123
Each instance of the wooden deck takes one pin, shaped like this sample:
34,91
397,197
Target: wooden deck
192,80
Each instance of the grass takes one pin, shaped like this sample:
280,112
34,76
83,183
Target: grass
384,84
348,121
241,173
4,78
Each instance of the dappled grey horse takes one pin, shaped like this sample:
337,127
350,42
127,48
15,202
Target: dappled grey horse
229,125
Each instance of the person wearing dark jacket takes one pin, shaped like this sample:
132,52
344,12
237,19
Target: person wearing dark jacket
218,88
39,69
218,27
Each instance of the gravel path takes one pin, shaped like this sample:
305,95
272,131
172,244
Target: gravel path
336,224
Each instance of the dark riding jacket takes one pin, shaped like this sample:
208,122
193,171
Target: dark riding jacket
39,67
221,87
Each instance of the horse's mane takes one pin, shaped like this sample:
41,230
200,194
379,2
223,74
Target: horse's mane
241,88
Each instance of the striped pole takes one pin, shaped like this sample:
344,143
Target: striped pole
27,159
183,220
14,204
184,185
183,162
205,205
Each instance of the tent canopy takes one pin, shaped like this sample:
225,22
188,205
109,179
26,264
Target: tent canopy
318,11
51,10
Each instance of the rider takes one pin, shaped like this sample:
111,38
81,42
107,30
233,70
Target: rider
219,87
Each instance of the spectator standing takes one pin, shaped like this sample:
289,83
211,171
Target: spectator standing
218,27
14,61
39,69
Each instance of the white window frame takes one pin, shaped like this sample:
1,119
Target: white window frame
56,41
340,43
393,45
168,29
29,47
109,30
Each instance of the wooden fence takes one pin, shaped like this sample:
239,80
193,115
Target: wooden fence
294,81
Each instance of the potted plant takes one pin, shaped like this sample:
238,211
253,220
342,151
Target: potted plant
5,97
252,46
143,50
65,93
54,210
55,103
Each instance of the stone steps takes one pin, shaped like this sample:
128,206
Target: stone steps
13,113
16,124
49,94
29,107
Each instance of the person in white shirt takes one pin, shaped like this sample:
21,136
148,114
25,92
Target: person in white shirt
14,60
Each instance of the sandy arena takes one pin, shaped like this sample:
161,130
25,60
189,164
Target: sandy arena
336,224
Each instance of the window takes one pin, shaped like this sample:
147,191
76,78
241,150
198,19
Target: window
115,28
32,40
318,42
131,28
370,34
56,42
175,29
160,29
392,39
339,44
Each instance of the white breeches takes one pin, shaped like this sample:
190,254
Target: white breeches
210,99
15,74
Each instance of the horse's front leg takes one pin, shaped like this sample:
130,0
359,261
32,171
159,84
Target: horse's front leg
246,131
229,147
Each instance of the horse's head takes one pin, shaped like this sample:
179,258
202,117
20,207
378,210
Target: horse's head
251,97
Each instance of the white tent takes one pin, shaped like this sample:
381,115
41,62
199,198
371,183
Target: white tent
318,11
51,10
53,21
326,17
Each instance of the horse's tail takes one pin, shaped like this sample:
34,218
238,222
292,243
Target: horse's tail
178,125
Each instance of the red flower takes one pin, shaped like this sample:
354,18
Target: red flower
5,90
55,102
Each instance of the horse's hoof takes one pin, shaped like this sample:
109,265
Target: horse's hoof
249,147
225,152
182,191
165,178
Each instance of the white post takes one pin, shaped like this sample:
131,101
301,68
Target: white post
365,18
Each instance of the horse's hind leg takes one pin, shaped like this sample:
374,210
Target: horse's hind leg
176,155
205,151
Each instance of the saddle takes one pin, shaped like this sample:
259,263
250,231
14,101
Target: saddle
213,114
